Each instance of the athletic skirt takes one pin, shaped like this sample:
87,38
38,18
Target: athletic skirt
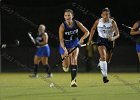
108,44
43,51
69,45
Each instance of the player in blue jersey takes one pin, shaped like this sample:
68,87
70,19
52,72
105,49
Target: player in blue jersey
135,31
68,35
43,51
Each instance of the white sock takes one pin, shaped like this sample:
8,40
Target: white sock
103,66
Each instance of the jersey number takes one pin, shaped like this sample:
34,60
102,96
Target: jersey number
104,31
71,37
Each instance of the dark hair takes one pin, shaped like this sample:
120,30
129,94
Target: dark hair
69,10
106,10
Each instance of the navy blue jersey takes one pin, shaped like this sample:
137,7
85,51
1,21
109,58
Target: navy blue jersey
39,38
70,33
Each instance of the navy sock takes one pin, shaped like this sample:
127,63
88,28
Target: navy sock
36,69
74,69
48,69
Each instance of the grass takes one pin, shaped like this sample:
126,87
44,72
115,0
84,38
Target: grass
18,86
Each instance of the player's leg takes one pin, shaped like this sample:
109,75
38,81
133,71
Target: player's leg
103,63
37,59
47,66
110,49
44,59
36,65
66,61
109,56
74,67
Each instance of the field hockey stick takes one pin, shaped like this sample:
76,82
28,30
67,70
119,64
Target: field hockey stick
32,39
127,26
78,46
7,45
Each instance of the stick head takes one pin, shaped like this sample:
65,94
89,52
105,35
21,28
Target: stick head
17,42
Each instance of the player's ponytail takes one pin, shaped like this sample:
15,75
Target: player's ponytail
106,10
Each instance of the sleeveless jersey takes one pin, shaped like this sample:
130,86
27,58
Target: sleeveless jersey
70,33
105,28
39,37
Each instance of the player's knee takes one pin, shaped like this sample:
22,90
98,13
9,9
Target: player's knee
74,61
65,63
36,61
44,63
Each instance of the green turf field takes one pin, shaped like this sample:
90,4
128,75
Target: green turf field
18,86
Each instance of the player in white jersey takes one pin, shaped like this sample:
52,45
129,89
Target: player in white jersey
107,33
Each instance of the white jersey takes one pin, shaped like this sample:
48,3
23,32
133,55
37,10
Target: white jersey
105,29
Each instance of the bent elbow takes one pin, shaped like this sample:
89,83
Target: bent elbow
87,33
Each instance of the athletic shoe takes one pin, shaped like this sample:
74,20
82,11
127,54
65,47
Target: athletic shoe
105,80
73,83
33,76
49,75
66,69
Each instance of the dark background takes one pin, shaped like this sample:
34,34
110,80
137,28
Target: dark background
50,13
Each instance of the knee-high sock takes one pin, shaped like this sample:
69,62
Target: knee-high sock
36,69
103,66
74,69
48,69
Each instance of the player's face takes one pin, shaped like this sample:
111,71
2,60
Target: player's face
68,16
105,15
41,29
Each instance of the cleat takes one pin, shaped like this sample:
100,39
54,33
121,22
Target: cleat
73,83
49,76
33,76
66,69
105,80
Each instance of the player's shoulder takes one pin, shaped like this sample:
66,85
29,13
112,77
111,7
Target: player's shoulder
45,34
112,20
77,22
97,21
62,25
137,22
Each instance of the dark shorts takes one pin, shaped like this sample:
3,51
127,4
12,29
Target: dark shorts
69,45
138,47
43,51
108,44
